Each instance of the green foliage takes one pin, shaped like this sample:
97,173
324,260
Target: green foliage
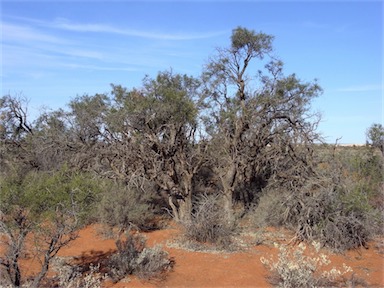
256,132
166,100
375,135
48,206
124,205
255,43
361,170
87,117
41,193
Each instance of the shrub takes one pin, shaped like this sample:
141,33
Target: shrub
294,269
123,262
333,207
268,211
330,215
128,204
209,222
132,257
72,276
152,262
48,207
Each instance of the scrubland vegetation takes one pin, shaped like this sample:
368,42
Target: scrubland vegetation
212,153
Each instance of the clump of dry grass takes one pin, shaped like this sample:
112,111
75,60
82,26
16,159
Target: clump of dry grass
210,224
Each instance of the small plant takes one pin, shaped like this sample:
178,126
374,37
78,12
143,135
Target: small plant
72,276
209,223
124,261
294,269
127,204
133,257
152,262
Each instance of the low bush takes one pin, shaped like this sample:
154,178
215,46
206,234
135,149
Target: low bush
268,211
329,215
334,206
73,276
128,204
209,222
152,262
132,257
336,216
293,269
46,207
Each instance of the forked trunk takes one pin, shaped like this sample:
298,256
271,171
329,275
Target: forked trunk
181,207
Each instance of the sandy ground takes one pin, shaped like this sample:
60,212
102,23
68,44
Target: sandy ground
207,269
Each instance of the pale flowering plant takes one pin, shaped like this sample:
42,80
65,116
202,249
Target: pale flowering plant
294,269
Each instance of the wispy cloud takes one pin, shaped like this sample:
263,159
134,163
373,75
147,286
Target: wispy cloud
37,41
66,24
361,88
25,34
98,68
31,46
61,42
60,51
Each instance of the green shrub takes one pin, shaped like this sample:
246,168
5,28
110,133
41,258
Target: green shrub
44,191
49,206
360,167
124,205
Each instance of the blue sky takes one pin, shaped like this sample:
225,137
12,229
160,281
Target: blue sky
53,51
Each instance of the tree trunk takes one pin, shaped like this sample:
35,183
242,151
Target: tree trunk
13,269
228,182
172,201
44,269
181,206
228,205
185,209
17,274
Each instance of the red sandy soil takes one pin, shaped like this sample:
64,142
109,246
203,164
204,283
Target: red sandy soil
207,269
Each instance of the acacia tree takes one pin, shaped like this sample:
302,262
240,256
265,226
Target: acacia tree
15,130
47,207
375,136
255,123
159,123
56,137
39,195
